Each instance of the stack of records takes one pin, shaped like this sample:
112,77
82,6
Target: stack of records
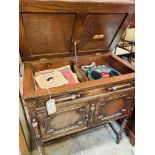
55,77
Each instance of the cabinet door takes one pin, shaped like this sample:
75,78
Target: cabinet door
113,107
64,121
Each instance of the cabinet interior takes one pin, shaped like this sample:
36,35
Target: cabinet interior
76,68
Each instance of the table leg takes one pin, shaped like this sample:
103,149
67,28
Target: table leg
38,137
119,135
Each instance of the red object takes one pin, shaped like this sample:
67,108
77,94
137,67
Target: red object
105,74
68,75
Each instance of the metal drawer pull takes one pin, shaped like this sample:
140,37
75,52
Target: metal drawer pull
119,87
71,97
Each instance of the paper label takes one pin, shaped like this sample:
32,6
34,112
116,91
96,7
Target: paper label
51,107
53,79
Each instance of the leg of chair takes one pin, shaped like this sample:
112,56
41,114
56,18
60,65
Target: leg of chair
119,136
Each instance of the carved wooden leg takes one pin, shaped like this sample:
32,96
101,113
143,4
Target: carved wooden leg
41,149
119,135
38,137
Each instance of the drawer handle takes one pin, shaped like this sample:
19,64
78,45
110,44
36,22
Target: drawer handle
119,87
71,97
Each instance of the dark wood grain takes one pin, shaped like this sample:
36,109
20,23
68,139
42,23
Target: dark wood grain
101,6
119,64
48,33
50,28
23,44
28,83
56,37
99,24
131,127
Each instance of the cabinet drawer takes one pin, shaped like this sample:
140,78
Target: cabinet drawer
105,89
80,94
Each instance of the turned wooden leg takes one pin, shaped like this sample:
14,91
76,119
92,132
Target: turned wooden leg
41,149
119,135
38,137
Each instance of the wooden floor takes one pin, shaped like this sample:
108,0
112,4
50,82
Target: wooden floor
96,141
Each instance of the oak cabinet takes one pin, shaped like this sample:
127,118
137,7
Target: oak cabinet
53,34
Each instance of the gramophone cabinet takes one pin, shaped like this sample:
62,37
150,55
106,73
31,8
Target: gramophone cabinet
65,32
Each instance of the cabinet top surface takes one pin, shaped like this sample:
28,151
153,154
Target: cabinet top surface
51,28
109,1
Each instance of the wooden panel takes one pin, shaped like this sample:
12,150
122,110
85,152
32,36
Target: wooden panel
49,26
23,44
58,123
48,33
28,82
64,120
120,65
100,6
99,31
114,106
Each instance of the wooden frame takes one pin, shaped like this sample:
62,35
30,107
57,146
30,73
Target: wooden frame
30,92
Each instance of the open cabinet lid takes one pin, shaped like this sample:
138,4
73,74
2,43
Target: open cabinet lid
53,28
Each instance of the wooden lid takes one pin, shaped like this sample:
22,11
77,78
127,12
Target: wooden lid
50,28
